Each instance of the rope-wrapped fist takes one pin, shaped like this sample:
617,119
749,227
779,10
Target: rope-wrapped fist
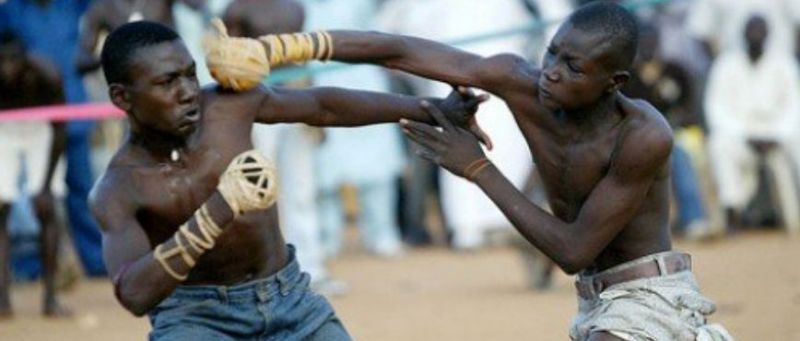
236,63
249,183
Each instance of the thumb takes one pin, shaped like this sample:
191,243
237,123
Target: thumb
219,26
482,136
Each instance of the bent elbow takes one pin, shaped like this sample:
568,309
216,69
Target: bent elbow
137,309
574,264
138,306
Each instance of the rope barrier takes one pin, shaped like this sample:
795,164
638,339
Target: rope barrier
89,111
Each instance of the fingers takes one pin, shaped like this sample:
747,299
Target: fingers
423,134
482,136
421,129
438,116
425,148
427,154
464,91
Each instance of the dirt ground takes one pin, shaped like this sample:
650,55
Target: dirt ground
436,294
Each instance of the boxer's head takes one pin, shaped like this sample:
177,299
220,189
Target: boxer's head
151,76
589,57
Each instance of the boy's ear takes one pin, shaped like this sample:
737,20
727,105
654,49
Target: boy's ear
618,80
119,96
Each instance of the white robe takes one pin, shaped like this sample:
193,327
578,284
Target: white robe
468,210
745,101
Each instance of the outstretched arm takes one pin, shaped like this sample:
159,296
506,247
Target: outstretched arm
498,74
241,63
90,33
329,106
628,182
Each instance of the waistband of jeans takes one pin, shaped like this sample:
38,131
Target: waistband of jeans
630,264
260,289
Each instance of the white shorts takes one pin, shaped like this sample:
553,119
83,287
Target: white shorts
25,146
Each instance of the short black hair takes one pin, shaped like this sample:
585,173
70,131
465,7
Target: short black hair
617,23
123,43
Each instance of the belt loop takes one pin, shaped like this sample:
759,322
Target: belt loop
283,283
662,266
222,294
262,291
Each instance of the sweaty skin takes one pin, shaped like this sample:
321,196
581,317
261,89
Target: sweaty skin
144,196
603,157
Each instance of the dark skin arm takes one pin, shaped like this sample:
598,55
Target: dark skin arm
504,75
629,178
328,106
93,25
140,281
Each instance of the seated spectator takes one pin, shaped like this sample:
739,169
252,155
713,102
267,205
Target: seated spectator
752,107
28,81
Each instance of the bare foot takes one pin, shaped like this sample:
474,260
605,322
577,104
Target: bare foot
56,310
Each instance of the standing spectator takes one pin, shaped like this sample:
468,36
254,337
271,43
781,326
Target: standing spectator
27,81
718,23
49,28
753,111
348,156
468,212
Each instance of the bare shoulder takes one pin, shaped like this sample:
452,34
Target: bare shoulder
112,198
646,141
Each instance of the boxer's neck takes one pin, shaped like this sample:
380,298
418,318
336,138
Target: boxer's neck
160,146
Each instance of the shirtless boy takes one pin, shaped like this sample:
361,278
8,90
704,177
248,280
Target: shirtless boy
603,157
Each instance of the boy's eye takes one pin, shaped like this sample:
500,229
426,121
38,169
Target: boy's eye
572,67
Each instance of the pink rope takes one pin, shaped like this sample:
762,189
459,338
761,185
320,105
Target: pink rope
90,111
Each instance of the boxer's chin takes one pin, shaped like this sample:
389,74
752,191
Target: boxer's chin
186,129
549,102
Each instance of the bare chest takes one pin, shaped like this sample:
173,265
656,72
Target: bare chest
571,166
169,193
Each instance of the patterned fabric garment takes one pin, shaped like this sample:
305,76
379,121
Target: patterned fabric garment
663,308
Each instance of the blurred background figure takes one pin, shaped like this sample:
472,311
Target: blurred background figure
192,18
753,111
368,158
30,151
669,88
50,28
470,214
718,24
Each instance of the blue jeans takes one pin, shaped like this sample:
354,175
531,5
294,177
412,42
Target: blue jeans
85,232
685,188
279,307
